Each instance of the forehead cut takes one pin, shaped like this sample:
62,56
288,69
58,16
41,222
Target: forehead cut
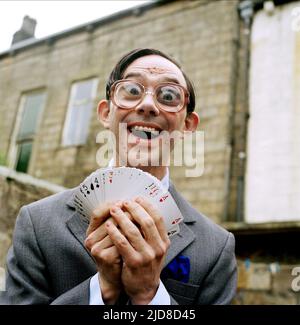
155,65
154,70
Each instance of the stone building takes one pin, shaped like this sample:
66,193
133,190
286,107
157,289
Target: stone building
244,60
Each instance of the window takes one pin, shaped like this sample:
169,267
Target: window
79,112
31,107
273,164
24,156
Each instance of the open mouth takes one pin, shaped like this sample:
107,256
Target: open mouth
144,132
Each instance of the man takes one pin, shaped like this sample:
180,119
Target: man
123,254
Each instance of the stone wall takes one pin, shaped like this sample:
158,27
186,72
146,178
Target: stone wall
2,278
16,190
266,284
208,52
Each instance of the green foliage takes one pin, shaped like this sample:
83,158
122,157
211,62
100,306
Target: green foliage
3,161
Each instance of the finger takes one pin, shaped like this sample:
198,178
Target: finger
156,215
128,228
96,236
144,219
99,215
99,233
108,255
158,240
128,215
120,241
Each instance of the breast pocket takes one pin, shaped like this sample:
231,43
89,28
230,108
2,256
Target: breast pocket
183,293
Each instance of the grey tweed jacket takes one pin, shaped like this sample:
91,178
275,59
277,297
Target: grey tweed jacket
48,263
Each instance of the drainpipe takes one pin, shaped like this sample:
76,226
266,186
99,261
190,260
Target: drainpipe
246,10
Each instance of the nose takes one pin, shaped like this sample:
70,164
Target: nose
147,106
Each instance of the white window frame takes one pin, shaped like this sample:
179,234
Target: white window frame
14,146
66,141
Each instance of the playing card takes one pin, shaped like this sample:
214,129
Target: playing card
78,201
113,186
151,188
174,230
89,188
102,176
122,183
98,187
81,193
81,207
131,179
170,210
167,207
82,213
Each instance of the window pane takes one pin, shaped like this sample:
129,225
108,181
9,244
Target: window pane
32,107
24,156
84,114
84,90
79,112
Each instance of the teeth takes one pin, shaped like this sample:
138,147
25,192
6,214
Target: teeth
145,129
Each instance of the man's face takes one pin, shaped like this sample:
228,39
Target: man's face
149,71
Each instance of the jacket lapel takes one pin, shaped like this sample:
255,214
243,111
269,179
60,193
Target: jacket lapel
76,224
185,237
179,242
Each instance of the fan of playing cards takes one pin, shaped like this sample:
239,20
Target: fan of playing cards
123,183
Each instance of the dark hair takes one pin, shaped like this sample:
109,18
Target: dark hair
127,59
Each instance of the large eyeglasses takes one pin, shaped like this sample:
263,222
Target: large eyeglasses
169,97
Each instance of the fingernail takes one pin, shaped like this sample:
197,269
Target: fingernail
126,202
139,199
114,209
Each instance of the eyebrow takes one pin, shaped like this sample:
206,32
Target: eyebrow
141,75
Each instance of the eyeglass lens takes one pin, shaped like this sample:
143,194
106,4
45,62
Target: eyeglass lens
169,97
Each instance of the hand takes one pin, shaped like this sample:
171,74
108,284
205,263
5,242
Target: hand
107,257
143,250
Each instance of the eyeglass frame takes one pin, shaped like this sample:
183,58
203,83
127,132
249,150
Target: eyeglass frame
147,92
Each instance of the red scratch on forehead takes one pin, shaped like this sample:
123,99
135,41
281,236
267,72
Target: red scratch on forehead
156,70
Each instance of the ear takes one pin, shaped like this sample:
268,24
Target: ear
103,113
191,122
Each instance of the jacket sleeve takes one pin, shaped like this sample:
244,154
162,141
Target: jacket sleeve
27,281
219,286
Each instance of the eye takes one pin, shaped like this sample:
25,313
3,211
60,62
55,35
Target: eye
169,95
132,89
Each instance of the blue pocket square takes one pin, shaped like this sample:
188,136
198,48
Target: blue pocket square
178,269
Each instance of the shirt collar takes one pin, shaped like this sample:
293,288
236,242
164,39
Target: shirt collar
165,182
